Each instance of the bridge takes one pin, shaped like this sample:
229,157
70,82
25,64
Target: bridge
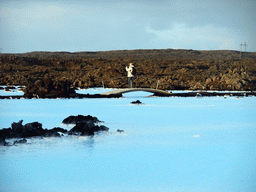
158,92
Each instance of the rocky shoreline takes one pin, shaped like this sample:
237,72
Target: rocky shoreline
54,95
84,126
49,75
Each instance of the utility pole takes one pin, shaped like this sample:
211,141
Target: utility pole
245,50
241,49
241,44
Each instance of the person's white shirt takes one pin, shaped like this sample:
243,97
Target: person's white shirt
129,70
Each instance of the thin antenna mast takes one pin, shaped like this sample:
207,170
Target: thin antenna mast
245,50
241,44
241,49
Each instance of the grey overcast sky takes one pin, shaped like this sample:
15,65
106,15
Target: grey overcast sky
102,25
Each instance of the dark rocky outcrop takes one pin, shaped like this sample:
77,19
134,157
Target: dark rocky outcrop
2,141
9,88
84,125
80,119
55,132
87,128
47,88
138,102
33,129
28,130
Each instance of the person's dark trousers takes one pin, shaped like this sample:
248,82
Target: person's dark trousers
130,82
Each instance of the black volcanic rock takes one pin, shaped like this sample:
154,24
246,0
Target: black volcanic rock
80,119
32,129
29,130
2,141
55,132
136,102
47,88
17,127
85,125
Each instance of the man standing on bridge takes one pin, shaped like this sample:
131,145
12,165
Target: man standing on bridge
130,71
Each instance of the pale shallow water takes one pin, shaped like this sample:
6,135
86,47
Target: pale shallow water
169,144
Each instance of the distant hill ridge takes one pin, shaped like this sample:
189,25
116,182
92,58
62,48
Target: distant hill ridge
146,54
52,73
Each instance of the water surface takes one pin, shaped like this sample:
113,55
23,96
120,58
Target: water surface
168,144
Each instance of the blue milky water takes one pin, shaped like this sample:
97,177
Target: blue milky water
168,144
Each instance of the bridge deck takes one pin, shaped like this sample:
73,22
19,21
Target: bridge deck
121,91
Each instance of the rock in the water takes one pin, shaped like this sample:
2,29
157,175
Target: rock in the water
54,132
80,126
2,141
92,130
119,131
85,125
136,102
32,129
58,129
88,128
17,127
80,119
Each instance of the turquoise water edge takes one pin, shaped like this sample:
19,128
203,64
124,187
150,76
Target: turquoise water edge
168,144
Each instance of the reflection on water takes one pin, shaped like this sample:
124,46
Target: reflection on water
89,143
